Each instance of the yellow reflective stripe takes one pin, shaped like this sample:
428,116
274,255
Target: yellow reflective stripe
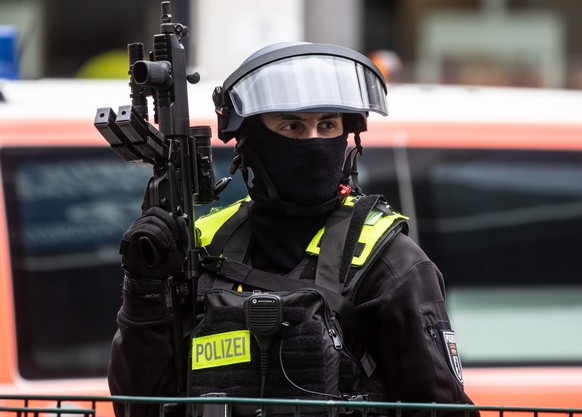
208,225
373,217
371,235
350,201
377,223
221,349
313,248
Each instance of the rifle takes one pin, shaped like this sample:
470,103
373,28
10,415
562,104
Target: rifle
181,155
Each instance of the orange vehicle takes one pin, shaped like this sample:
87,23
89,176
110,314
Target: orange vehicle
491,178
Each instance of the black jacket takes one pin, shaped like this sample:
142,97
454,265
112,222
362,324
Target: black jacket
402,298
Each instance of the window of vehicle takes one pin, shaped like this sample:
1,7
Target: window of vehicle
67,209
505,228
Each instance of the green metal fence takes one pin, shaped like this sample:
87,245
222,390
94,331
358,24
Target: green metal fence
102,406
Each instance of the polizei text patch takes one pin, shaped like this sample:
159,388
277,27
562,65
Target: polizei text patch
221,349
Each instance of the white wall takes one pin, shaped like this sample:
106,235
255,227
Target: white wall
228,31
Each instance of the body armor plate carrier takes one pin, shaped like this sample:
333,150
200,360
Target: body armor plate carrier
289,344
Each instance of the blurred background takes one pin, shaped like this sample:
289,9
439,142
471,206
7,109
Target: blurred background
525,43
491,177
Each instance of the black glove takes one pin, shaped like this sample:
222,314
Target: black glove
155,245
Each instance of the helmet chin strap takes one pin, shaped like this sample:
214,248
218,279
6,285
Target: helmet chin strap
246,161
350,169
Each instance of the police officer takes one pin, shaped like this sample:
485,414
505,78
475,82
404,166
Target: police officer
291,108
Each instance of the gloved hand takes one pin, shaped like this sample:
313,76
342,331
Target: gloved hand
155,245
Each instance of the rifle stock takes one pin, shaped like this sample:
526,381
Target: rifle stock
180,155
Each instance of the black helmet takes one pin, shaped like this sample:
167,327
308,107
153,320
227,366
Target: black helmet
301,77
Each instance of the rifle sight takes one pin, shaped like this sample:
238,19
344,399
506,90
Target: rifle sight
153,73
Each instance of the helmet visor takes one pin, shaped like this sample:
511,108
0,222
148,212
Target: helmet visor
309,83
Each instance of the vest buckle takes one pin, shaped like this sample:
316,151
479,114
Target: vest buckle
212,263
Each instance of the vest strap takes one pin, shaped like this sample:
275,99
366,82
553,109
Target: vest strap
361,210
339,241
332,247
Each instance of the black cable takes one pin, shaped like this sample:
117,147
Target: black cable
263,316
285,325
264,368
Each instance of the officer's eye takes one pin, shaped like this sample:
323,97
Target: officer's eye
290,126
327,125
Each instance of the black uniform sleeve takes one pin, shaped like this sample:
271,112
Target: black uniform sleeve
141,356
404,296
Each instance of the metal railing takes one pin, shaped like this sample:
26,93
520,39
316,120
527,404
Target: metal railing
102,406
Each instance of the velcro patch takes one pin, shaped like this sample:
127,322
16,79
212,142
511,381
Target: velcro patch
221,349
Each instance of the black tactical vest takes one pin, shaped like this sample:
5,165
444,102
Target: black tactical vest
265,334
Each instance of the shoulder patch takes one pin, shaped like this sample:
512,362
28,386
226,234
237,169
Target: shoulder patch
452,352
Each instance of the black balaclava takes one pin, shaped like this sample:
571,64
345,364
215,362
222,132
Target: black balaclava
304,173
